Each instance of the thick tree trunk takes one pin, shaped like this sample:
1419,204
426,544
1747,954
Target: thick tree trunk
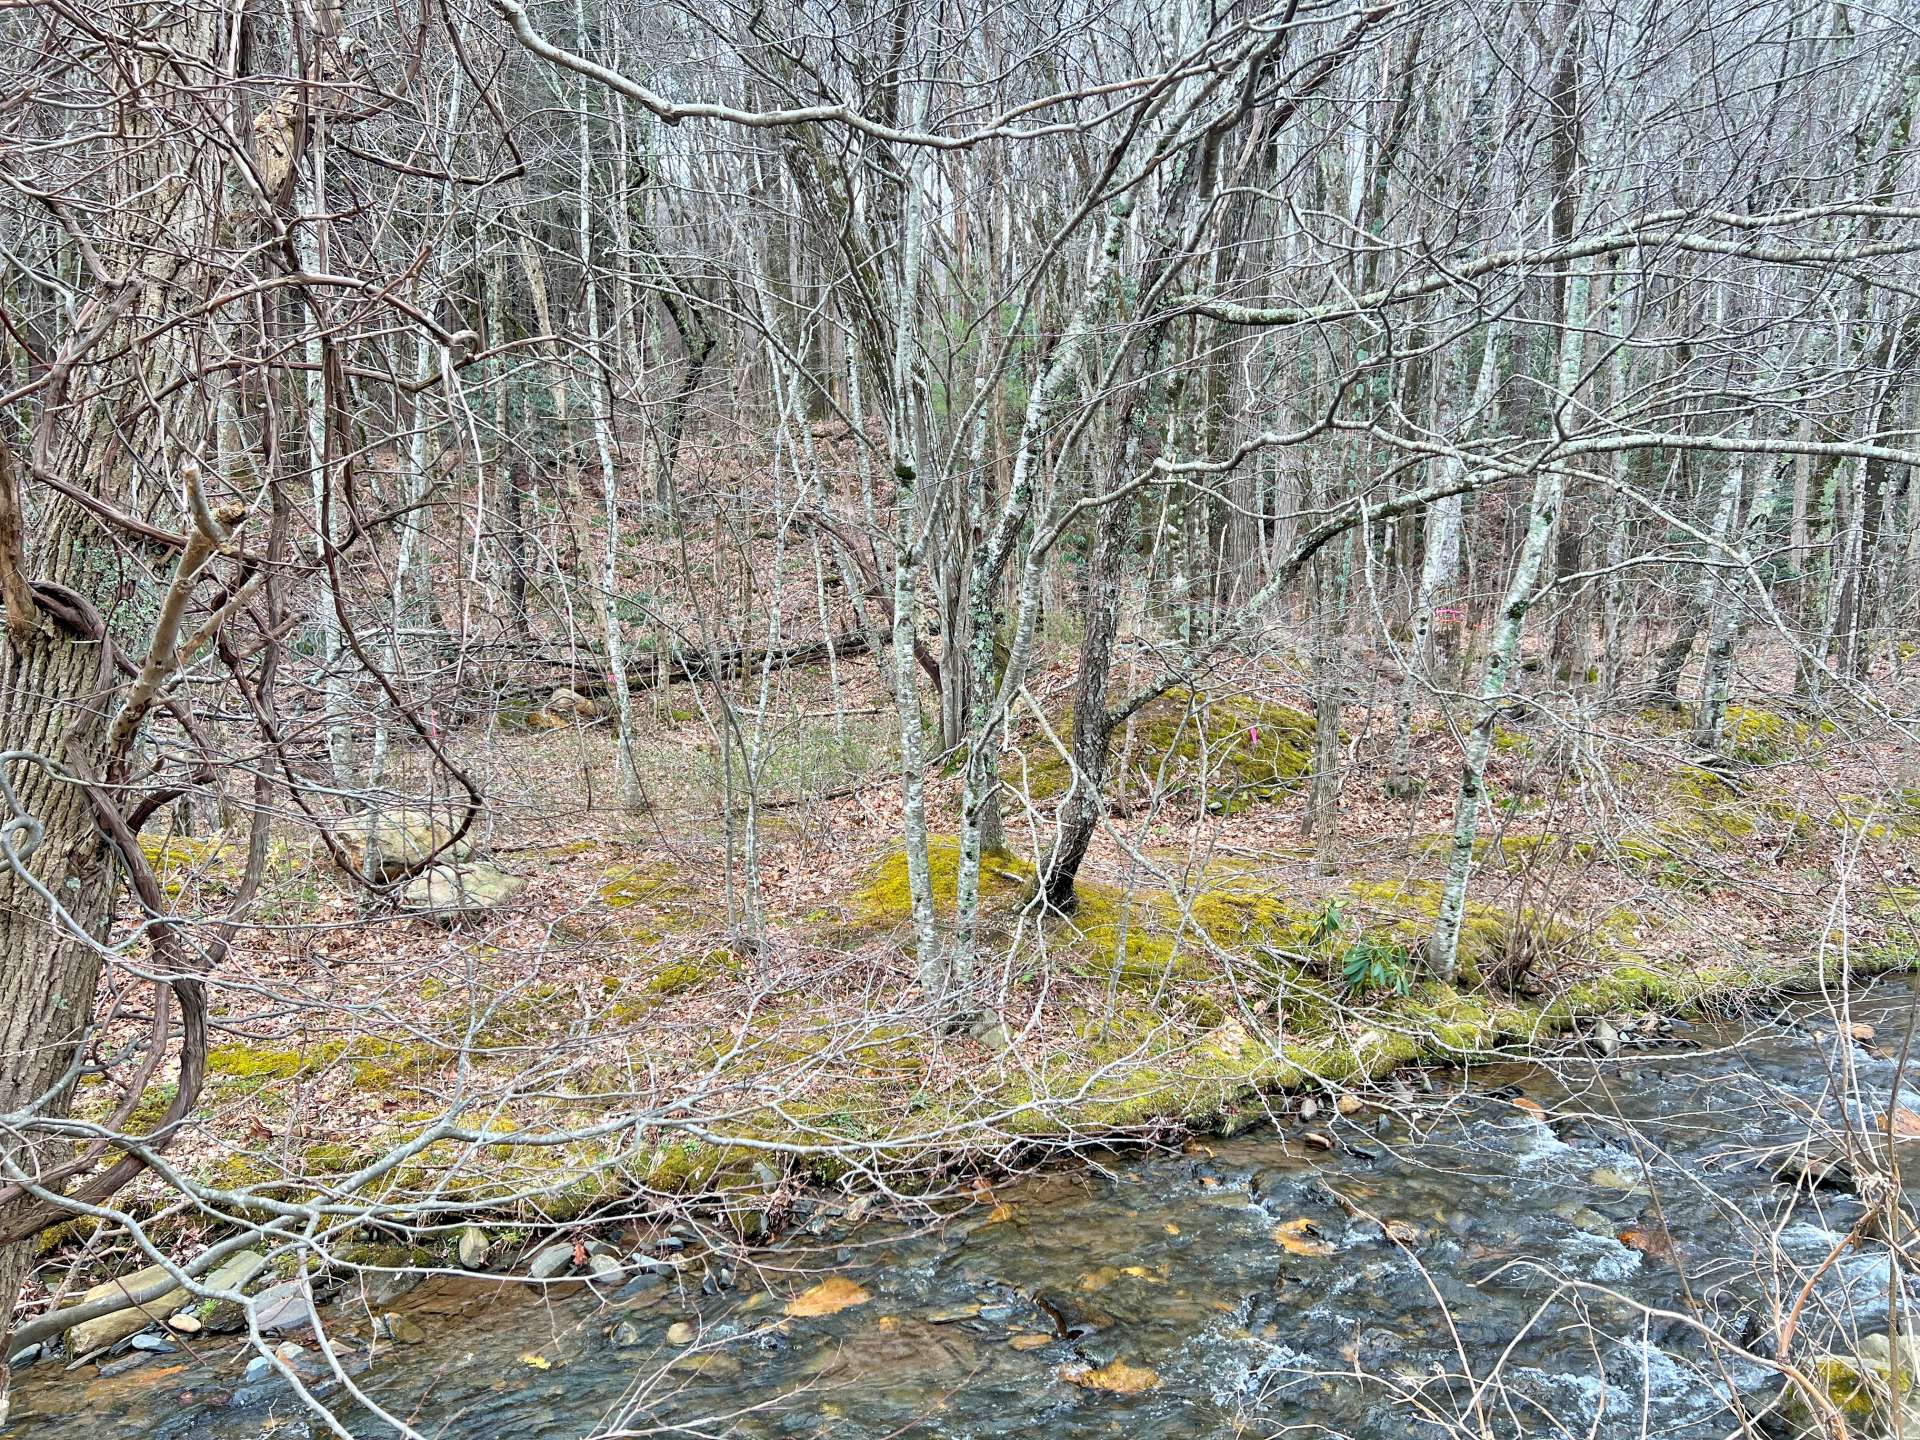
52,708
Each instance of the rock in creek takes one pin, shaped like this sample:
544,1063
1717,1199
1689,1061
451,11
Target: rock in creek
473,1248
550,1261
399,1329
110,1329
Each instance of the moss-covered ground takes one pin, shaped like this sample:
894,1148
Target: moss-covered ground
631,1035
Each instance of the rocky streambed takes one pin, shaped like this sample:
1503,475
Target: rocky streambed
1606,1248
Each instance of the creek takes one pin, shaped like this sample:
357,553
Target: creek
1521,1250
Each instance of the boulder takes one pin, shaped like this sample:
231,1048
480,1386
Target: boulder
451,891
393,844
233,1273
571,703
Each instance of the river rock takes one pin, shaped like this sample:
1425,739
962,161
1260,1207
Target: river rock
473,1248
1606,1039
185,1323
682,1332
117,1325
1815,1168
626,1335
399,1329
284,1308
448,892
605,1267
1349,1104
713,1366
550,1261
236,1272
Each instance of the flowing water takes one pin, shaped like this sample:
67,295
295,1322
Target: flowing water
1517,1252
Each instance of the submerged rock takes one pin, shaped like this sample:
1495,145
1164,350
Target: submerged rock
399,1329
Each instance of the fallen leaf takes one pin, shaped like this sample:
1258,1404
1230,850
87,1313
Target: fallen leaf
1650,1239
1531,1107
1299,1237
1029,1340
536,1360
1000,1212
1116,1377
1171,1228
1858,1030
830,1296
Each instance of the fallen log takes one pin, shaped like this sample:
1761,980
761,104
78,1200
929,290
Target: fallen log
584,676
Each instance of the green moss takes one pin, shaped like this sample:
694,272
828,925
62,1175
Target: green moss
395,1064
887,896
626,885
1845,1384
249,1062
1762,737
330,1159
687,974
1511,742
1236,750
178,861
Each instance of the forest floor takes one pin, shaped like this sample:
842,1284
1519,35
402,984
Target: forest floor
617,1013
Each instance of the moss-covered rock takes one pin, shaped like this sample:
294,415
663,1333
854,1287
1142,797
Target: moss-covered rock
1765,737
1232,750
886,898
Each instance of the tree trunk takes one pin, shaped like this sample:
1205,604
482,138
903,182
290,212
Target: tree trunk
52,700
1092,725
1443,948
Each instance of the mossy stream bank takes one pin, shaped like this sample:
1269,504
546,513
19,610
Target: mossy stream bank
1507,1256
